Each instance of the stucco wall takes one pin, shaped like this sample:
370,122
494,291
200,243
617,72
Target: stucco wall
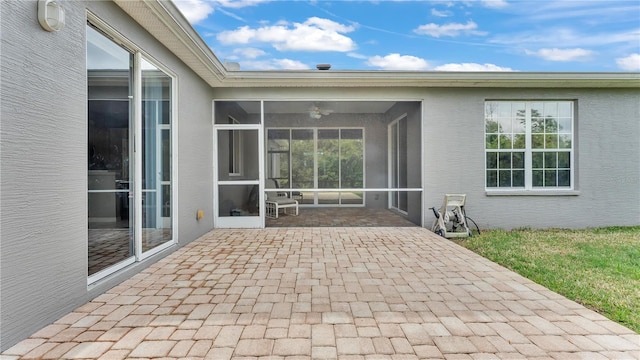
607,159
43,168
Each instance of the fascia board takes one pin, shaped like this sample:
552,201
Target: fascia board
333,78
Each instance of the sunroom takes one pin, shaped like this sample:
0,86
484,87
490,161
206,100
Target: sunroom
335,158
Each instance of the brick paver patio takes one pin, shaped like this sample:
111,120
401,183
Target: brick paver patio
327,293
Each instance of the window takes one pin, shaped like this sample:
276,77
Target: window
529,145
318,158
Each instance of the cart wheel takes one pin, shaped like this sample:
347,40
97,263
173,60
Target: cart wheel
440,232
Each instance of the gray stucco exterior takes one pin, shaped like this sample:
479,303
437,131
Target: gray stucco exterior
43,134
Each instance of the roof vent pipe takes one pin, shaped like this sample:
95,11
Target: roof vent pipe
323,66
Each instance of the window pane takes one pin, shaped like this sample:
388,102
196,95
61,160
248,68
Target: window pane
537,125
519,141
550,160
550,178
551,109
302,160
537,178
491,126
537,160
518,160
491,110
505,141
564,141
564,160
351,159
328,167
492,178
504,109
492,142
505,125
504,178
109,166
564,178
492,160
564,125
537,141
518,178
156,157
565,109
551,141
550,125
537,109
504,160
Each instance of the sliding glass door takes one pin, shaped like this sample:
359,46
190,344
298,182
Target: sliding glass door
326,166
130,190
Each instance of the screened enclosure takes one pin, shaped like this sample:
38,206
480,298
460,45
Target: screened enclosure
323,154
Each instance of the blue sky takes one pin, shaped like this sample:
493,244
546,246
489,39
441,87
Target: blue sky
480,35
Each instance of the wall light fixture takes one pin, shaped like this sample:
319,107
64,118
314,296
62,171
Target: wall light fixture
50,15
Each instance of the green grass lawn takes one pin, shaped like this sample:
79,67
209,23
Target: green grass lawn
599,268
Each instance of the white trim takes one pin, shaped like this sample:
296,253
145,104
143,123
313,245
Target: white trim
137,152
422,164
92,279
156,249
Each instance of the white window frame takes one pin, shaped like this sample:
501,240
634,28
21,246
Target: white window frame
528,188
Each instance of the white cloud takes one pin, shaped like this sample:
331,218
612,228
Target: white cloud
629,63
471,67
315,34
450,29
194,10
398,62
439,13
553,36
250,53
495,4
555,54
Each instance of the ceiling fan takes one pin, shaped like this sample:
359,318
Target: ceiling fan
316,112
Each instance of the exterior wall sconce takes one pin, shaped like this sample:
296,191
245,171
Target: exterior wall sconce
50,15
